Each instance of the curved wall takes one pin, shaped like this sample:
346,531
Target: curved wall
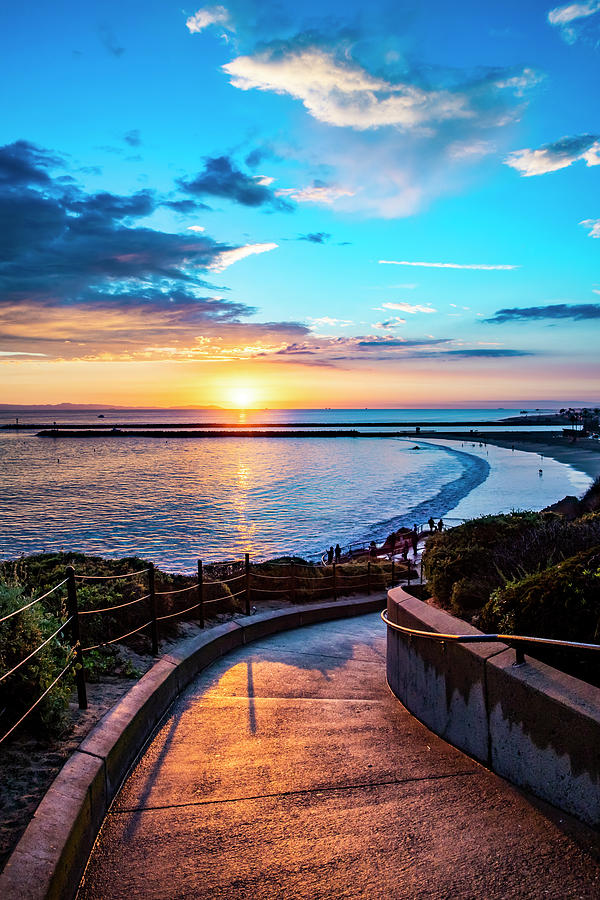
533,725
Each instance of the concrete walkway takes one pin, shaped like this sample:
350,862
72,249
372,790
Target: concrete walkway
288,770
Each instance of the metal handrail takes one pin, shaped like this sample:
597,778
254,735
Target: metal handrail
510,639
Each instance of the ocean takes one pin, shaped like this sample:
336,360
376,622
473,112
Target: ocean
174,501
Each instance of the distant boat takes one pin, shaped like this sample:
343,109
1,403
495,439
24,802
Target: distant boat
101,416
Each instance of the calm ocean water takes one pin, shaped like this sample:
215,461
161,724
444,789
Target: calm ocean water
175,501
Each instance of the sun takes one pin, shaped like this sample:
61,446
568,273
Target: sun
242,397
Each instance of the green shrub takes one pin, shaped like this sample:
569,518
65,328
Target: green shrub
19,636
561,602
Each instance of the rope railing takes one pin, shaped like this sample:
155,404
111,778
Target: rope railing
92,612
38,701
294,578
116,640
36,651
190,587
81,577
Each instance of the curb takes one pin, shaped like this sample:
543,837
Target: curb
50,857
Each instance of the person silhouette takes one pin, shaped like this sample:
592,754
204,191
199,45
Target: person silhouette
330,555
338,552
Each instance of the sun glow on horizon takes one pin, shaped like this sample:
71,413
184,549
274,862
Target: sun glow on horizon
242,397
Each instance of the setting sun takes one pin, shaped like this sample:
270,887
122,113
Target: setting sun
242,397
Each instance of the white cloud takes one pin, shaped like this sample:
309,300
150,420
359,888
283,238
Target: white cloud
229,257
19,353
594,226
321,194
196,228
343,93
437,265
389,323
564,17
409,307
327,320
208,15
555,156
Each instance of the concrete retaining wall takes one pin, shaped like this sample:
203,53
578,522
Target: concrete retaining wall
531,724
49,860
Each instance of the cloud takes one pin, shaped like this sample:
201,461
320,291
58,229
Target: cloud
327,320
198,228
81,278
221,178
338,91
317,193
568,18
575,311
409,307
390,323
184,207
594,227
555,156
229,257
316,237
209,15
24,163
109,41
133,137
487,353
437,265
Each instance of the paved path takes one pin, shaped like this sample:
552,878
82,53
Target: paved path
288,770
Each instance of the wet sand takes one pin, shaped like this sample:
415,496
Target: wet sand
583,454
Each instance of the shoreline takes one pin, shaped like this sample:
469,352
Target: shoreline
583,455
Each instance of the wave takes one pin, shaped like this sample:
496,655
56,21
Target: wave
475,471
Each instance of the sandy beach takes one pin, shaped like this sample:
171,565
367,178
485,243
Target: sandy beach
583,454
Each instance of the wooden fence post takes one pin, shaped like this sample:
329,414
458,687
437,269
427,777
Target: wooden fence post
292,582
335,596
247,572
201,592
152,598
369,577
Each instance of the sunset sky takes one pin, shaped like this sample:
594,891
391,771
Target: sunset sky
283,204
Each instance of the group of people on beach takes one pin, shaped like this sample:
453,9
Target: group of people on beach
399,542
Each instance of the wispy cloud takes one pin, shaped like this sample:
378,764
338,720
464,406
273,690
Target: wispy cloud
209,15
593,225
571,17
409,307
555,156
576,311
439,265
317,193
315,237
229,257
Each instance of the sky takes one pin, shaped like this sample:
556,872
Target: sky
306,205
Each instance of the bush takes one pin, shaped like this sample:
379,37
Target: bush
19,636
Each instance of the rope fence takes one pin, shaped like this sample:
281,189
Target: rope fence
294,580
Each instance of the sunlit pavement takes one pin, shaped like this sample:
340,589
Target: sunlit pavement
288,770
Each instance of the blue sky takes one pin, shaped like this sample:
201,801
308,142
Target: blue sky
242,197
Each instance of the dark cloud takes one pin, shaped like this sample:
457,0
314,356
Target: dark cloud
316,237
221,178
106,206
398,342
79,276
485,353
23,163
133,137
576,311
184,207
109,41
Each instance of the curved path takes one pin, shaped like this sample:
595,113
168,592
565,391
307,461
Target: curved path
288,770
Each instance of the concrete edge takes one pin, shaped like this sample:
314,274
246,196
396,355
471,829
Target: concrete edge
538,727
51,855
